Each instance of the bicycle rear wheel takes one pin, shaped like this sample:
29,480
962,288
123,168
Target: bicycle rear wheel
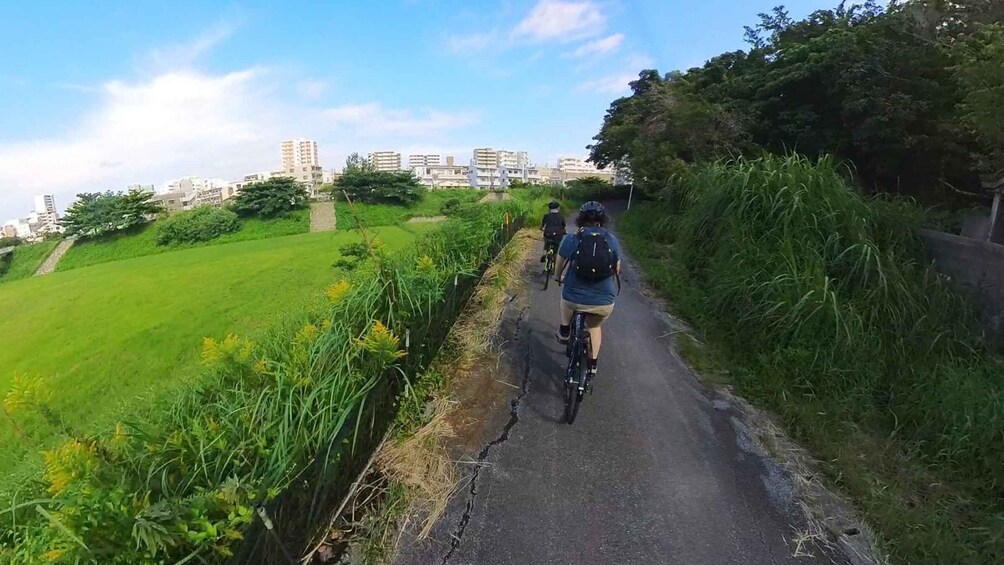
548,271
578,370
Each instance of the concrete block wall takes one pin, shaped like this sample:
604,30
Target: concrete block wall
977,269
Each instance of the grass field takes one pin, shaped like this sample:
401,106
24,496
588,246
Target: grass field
108,339
26,260
144,241
391,214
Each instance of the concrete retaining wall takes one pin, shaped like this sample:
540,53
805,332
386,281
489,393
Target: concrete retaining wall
977,268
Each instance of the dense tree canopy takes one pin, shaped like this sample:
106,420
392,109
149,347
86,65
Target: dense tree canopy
99,213
270,198
363,184
911,95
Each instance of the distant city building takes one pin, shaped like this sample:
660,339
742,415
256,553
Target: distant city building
175,201
299,153
423,161
8,230
385,160
571,168
501,177
443,176
141,187
487,157
311,177
45,203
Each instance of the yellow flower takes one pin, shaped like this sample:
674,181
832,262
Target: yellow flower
260,367
53,555
68,463
210,351
120,435
27,391
382,342
426,264
338,291
307,334
326,325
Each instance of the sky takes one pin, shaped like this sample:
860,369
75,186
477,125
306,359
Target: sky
100,95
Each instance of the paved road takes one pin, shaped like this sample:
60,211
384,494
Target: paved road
654,470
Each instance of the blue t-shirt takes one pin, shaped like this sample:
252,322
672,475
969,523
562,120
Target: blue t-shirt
590,293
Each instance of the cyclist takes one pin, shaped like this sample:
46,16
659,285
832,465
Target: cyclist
593,255
553,226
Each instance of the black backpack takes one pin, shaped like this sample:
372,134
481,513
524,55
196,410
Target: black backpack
594,258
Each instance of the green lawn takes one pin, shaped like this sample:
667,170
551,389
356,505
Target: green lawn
144,241
392,214
26,260
112,338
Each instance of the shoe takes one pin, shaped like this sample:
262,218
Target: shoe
562,339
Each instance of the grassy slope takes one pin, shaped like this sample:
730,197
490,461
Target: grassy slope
390,214
111,337
922,515
26,260
144,242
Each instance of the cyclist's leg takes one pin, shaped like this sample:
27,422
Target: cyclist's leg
565,312
594,324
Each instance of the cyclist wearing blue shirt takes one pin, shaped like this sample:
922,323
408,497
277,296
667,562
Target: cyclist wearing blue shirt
593,297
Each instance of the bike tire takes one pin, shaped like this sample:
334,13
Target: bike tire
547,277
576,375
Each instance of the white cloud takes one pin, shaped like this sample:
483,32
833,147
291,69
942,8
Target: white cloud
177,123
468,42
373,120
183,55
600,46
311,88
562,21
617,82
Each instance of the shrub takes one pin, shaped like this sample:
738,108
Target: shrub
201,224
380,187
271,198
10,242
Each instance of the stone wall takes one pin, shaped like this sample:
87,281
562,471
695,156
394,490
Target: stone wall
977,269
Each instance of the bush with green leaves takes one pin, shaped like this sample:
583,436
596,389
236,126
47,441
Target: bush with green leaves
204,223
271,198
379,187
829,313
10,242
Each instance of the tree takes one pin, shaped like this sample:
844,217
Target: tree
390,187
10,242
98,213
270,198
355,163
980,72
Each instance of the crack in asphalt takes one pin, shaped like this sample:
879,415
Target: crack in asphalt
465,519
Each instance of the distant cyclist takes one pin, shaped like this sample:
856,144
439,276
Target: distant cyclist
593,256
553,226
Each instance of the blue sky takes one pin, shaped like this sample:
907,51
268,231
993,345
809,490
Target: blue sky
102,95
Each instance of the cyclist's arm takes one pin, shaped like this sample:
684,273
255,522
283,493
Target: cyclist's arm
559,268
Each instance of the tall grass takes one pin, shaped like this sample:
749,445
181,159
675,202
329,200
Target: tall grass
182,485
826,304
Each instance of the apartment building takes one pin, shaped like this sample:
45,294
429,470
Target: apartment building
488,157
299,153
45,203
443,176
311,177
570,168
385,160
8,230
423,161
501,177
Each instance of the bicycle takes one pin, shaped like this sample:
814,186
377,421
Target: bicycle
548,265
579,351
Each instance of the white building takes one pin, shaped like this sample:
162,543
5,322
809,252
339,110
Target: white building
571,168
488,157
501,177
299,153
45,203
385,160
423,161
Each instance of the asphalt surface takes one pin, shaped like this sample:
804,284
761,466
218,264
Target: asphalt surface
654,470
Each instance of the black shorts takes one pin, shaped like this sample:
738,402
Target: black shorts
552,242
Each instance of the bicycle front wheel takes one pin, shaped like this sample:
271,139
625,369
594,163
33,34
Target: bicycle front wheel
575,386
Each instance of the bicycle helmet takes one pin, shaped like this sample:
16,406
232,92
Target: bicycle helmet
593,212
553,205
